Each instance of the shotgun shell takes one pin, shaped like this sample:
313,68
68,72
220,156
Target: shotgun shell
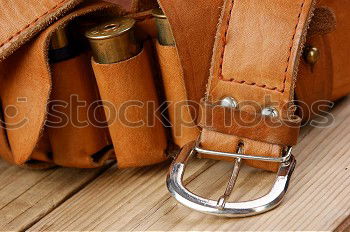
59,39
165,35
60,47
113,41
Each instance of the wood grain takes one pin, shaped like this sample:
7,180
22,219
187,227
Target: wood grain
344,226
28,195
137,199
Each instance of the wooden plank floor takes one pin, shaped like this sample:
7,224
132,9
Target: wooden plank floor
137,199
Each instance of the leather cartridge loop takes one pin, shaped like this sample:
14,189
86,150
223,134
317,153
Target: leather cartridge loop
128,93
248,125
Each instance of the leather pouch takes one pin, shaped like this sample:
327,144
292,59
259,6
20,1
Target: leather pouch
130,99
27,76
84,146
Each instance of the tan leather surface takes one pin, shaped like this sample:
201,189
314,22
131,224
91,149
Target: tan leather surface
79,135
27,81
332,71
5,151
40,149
135,143
43,151
194,25
183,128
21,20
338,42
329,79
244,124
265,46
135,5
314,83
256,56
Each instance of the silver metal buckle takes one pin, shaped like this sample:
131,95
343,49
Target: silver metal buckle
221,207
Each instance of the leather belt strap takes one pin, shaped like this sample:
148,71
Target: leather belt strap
256,56
247,125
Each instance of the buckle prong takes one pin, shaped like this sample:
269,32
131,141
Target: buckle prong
231,183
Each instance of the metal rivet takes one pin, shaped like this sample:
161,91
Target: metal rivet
270,111
229,102
311,55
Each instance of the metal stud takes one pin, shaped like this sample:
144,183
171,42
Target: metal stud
311,55
270,111
229,102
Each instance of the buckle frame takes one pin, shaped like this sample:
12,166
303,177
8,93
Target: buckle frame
220,207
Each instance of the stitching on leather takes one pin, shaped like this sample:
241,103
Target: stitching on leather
291,46
254,83
33,22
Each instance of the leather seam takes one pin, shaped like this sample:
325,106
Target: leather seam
291,46
33,22
264,86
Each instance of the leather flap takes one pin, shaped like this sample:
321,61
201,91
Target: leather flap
21,20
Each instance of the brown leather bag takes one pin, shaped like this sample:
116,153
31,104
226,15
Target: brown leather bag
274,64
